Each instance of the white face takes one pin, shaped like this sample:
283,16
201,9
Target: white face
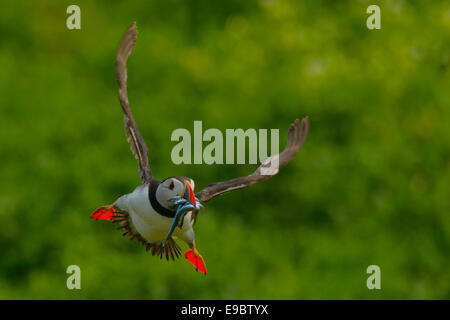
169,189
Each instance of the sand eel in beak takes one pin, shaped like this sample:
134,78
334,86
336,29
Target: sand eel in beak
157,212
185,202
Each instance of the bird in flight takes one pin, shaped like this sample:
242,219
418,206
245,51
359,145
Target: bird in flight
157,211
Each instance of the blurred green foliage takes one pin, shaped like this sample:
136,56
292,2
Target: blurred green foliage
370,186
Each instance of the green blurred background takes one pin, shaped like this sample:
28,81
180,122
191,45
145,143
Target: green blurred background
370,186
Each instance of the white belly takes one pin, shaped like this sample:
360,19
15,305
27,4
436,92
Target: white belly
150,224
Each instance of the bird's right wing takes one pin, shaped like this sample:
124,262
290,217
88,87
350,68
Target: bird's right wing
134,137
298,131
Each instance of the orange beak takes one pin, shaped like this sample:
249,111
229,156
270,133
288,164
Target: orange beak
189,194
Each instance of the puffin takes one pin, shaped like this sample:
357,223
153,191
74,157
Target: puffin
159,211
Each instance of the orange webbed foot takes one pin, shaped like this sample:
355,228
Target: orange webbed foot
194,257
105,213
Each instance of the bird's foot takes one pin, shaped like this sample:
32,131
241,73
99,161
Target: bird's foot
105,212
194,257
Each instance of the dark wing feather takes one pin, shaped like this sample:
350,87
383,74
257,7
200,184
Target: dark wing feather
298,131
134,137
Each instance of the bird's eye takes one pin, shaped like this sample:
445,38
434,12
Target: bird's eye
171,186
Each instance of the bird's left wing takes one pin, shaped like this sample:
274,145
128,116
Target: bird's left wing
134,137
298,131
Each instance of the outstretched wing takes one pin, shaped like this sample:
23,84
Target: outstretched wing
298,131
134,137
